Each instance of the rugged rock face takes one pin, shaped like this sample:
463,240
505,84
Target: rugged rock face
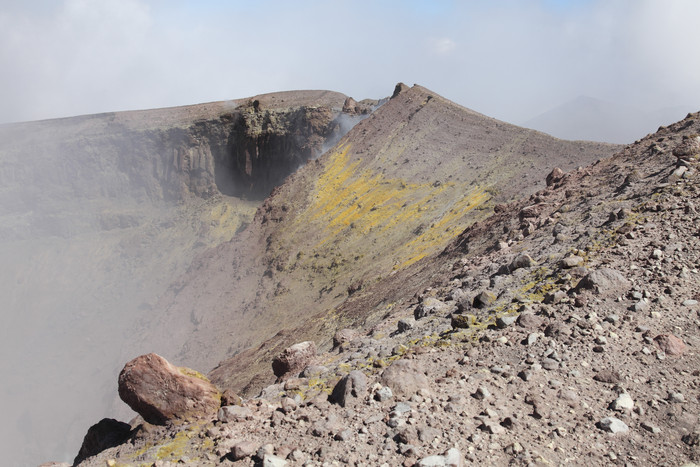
103,435
398,188
161,392
607,378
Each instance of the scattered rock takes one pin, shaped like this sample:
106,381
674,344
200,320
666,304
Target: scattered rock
293,360
228,397
688,147
555,176
484,299
691,439
604,281
670,344
404,379
160,391
452,458
288,405
344,336
244,449
529,320
233,413
314,371
406,324
571,262
481,393
504,321
613,425
532,338
651,428
532,211
553,298
350,389
521,261
270,460
623,403
607,376
429,306
398,89
383,394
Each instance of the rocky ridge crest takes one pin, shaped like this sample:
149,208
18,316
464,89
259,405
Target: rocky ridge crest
585,354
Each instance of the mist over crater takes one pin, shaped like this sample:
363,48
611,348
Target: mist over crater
99,214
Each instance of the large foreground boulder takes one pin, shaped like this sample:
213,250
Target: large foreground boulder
160,391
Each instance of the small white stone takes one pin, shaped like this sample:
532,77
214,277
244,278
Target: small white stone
623,402
613,425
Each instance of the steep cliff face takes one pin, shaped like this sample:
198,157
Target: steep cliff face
238,148
266,146
100,213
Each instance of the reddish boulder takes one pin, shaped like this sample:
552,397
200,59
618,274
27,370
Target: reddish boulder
670,344
160,391
293,360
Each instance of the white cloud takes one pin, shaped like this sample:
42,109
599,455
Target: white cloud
443,46
510,59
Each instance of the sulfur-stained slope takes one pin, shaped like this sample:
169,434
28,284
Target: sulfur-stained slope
398,188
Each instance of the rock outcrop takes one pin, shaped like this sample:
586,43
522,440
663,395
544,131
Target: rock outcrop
160,391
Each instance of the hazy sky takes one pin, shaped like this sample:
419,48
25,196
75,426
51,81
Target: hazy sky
509,59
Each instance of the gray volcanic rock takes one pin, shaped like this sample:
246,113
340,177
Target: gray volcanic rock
604,281
104,434
404,378
160,391
293,360
351,388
